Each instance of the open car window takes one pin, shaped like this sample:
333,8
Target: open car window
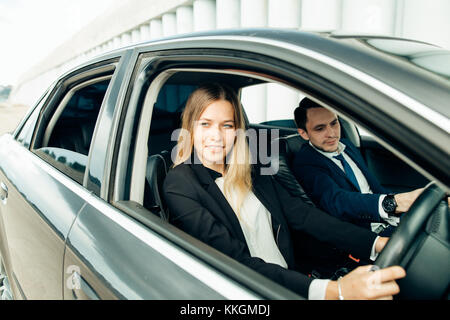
67,127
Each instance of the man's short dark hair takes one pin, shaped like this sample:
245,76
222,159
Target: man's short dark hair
300,112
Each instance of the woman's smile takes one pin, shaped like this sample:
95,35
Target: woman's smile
214,134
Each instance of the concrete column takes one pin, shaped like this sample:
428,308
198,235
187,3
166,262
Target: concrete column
169,24
284,13
228,13
135,35
370,16
155,29
254,98
116,42
145,32
281,101
321,15
253,13
107,46
125,39
427,21
204,15
185,19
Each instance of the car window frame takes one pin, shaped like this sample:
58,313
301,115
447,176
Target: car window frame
64,103
150,64
37,107
31,120
65,86
313,84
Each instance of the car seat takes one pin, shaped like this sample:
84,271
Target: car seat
73,134
317,258
157,167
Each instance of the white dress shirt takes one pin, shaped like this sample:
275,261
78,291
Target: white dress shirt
256,224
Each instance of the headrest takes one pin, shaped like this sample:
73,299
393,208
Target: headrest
290,145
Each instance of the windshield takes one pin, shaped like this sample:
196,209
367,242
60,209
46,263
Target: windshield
425,56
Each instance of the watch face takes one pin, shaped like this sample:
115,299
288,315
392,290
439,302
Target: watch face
389,204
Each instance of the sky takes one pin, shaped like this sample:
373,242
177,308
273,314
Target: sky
31,29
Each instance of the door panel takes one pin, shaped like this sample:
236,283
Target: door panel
392,172
36,222
120,258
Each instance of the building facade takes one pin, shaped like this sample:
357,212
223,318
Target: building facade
134,21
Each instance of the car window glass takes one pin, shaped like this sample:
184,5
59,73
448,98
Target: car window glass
26,133
166,116
69,132
166,119
70,163
270,104
426,56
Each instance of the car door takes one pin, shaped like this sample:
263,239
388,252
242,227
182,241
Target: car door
120,251
43,185
149,117
393,173
22,135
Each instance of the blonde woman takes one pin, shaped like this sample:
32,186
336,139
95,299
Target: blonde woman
215,195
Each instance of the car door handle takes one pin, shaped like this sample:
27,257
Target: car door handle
3,192
81,289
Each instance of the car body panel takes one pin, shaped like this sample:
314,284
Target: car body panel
373,55
108,242
103,139
36,220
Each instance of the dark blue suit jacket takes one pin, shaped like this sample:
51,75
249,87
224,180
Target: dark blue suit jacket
331,190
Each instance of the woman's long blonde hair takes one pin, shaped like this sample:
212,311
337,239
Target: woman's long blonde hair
237,173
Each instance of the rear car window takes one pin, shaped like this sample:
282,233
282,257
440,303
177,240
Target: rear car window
69,131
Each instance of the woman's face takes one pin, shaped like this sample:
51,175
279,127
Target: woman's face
214,134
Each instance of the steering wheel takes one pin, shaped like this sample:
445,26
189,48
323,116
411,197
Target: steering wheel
407,234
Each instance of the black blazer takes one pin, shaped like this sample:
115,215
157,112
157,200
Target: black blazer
198,207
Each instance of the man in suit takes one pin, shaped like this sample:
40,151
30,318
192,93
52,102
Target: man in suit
334,174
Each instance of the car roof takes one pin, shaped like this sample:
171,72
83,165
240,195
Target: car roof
419,69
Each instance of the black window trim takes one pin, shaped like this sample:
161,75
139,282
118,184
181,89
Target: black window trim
30,111
70,83
63,104
147,68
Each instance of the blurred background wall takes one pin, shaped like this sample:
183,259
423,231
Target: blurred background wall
133,21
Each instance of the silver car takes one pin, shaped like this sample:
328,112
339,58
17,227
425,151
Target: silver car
81,215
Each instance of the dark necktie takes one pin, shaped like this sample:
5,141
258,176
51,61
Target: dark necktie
348,171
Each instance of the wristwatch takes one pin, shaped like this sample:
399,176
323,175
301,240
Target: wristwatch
389,204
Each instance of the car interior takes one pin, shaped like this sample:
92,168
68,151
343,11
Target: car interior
392,172
166,118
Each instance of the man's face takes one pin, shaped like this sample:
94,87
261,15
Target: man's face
322,129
